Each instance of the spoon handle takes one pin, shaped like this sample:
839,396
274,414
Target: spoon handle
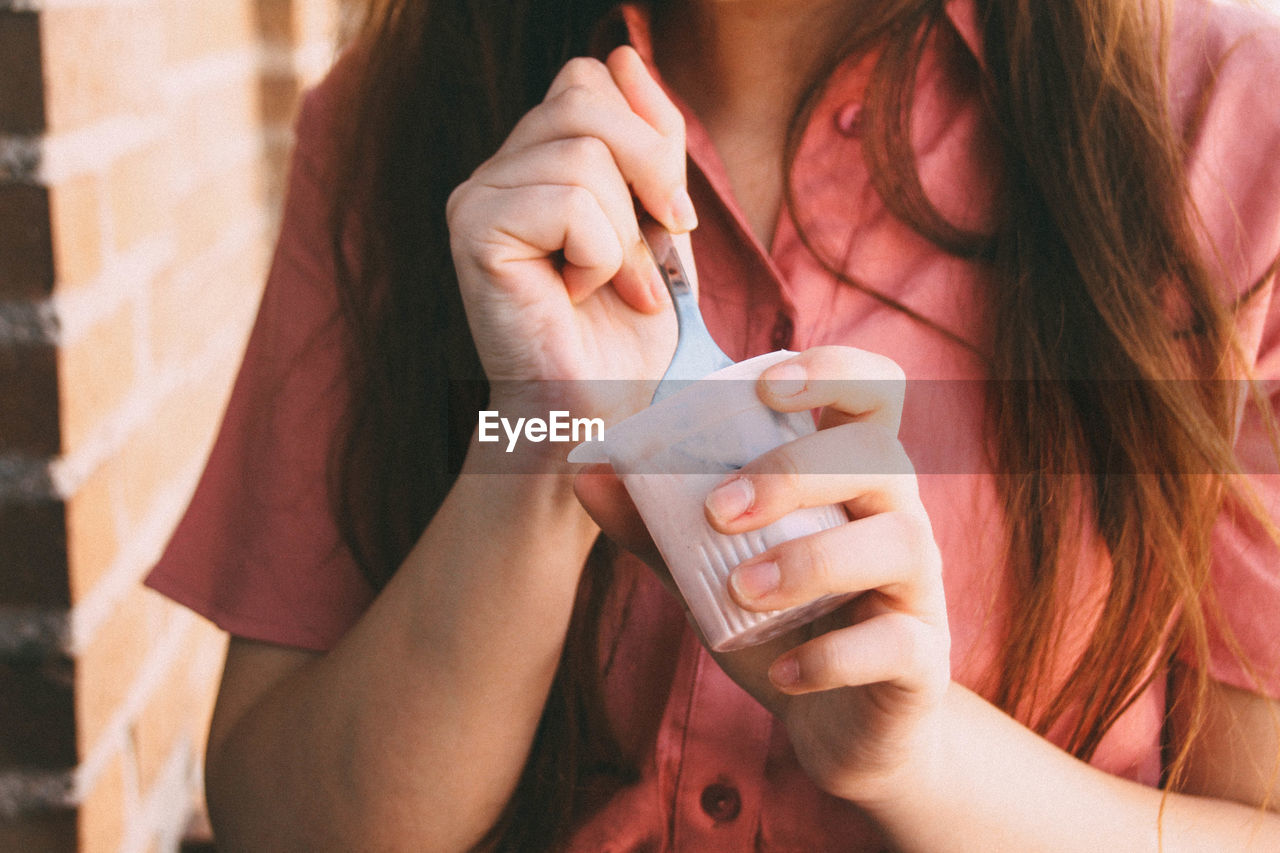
696,352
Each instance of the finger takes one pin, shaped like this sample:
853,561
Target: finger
893,553
860,465
531,224
635,281
850,384
587,73
586,162
892,647
585,101
642,92
647,99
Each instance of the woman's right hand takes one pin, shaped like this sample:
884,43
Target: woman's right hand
556,282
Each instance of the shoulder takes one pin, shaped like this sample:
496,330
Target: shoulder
1216,28
327,108
1224,65
1222,56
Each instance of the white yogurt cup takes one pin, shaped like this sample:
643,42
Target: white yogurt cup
672,454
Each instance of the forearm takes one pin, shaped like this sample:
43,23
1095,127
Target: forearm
990,784
412,732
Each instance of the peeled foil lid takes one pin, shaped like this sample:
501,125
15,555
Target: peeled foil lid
718,397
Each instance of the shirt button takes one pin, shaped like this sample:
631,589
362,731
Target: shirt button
783,330
849,119
721,802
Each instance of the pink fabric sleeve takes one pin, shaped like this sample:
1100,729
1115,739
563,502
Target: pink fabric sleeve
257,551
1245,646
1236,176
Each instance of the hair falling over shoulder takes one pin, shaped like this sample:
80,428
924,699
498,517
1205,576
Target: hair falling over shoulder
1095,239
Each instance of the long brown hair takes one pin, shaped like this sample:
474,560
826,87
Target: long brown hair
1094,243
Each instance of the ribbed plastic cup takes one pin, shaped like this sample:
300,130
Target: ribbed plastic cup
672,454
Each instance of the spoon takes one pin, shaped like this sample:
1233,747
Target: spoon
696,352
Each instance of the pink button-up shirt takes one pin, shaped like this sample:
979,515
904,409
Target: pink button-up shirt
258,553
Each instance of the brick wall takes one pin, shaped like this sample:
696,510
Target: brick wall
142,144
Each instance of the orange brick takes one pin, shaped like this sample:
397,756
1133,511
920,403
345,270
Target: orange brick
205,124
275,165
317,20
96,373
76,214
92,537
137,193
117,497
212,209
174,439
276,21
102,811
196,28
100,61
107,670
120,494
187,311
205,672
280,96
177,714
161,727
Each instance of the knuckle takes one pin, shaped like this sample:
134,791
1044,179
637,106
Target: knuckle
909,649
574,104
776,478
667,156
916,536
457,200
880,447
786,481
576,201
817,574
489,258
583,71
589,151
831,659
828,361
892,459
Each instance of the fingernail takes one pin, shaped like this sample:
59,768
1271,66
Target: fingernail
658,286
682,211
785,380
729,500
755,580
785,672
642,262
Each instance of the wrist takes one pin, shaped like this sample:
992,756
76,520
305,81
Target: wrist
921,779
526,488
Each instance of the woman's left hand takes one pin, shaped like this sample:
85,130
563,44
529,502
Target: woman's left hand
860,690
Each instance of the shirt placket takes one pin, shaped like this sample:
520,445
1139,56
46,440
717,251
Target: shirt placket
718,780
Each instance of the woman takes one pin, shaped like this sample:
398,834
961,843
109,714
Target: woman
1042,217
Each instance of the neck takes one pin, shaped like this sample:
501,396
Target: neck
742,67
736,61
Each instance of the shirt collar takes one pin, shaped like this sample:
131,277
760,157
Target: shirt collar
962,14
